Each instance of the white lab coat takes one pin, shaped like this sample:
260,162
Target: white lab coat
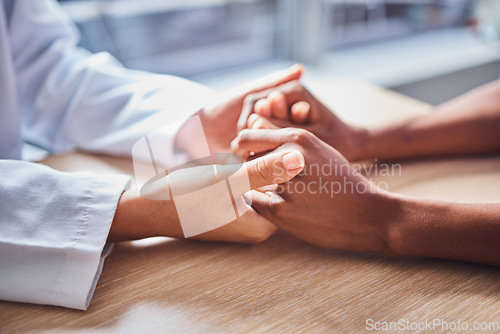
55,96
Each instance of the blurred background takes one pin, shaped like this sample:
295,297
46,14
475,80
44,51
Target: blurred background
432,50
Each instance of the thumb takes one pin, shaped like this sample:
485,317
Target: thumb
280,77
274,79
258,122
274,168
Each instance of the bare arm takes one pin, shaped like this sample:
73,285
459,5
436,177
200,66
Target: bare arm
469,124
466,232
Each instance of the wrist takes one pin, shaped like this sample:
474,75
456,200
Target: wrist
383,213
359,139
400,235
378,143
377,219
138,218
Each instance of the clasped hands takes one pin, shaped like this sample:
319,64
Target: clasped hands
276,125
286,117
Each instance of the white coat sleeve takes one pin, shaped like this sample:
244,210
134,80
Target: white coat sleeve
54,227
72,99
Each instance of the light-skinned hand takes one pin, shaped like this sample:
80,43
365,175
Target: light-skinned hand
220,120
139,217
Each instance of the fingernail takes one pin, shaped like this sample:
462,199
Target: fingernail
302,106
258,124
263,108
282,103
297,67
251,120
293,160
300,111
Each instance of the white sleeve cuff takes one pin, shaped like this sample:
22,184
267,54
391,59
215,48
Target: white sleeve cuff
85,259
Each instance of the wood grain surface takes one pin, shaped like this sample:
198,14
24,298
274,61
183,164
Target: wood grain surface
284,285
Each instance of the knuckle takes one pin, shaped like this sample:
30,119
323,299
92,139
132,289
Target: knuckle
277,205
243,137
234,146
264,171
296,87
295,84
250,99
301,136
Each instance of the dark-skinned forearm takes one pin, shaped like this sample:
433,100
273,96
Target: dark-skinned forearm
469,124
465,232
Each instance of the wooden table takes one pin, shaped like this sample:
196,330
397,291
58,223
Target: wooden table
284,285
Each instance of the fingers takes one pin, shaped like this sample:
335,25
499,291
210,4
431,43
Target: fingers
300,112
263,107
274,168
278,105
248,108
274,105
278,78
271,80
263,87
266,123
287,102
270,169
249,228
258,141
262,202
257,122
